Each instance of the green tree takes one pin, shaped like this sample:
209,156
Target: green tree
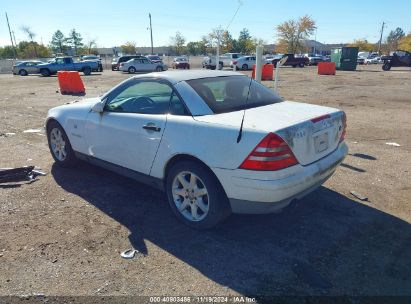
363,45
129,48
29,50
75,40
405,43
58,42
193,48
6,52
177,43
245,43
292,34
393,38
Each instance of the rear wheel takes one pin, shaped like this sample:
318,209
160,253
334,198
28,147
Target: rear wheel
100,68
159,69
23,72
386,66
301,65
45,72
294,65
59,145
220,66
244,67
131,70
195,195
87,71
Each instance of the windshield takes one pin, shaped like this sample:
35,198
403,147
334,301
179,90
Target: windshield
229,94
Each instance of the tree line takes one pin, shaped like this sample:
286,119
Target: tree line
291,37
60,44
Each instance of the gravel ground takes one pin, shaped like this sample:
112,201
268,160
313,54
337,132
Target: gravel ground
62,235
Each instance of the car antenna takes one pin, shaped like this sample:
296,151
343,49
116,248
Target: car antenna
240,133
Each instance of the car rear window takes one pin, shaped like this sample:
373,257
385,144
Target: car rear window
233,93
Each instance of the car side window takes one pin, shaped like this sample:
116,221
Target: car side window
145,61
145,97
60,61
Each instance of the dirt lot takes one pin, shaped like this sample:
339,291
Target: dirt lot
63,234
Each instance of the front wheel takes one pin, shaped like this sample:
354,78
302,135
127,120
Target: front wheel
159,69
59,145
23,73
386,66
244,67
45,72
196,196
301,65
87,71
131,70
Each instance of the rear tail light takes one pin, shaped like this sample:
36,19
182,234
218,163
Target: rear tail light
271,154
319,118
344,126
234,61
121,64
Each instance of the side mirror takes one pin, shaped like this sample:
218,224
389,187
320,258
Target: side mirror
98,107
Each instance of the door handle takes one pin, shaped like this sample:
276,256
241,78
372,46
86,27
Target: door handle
152,127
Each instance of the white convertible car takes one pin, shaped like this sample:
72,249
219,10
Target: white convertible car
217,142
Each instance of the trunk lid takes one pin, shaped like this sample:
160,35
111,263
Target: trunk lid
311,131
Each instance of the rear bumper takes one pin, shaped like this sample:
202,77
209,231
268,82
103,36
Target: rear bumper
268,191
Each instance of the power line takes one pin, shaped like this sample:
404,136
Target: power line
240,3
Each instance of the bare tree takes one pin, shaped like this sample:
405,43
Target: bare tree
91,44
30,34
178,42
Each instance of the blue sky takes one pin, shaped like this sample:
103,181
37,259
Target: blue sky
114,22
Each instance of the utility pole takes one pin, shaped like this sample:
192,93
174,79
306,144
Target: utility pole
14,37
151,34
11,38
379,43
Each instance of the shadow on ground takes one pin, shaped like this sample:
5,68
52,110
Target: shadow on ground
325,244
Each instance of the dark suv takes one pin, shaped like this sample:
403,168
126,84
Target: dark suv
115,64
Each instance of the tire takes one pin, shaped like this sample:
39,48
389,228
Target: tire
87,71
131,70
386,66
220,66
159,69
23,73
113,69
301,65
294,65
100,68
212,68
45,72
59,145
214,203
244,67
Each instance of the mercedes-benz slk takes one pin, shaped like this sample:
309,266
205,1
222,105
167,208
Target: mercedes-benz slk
216,142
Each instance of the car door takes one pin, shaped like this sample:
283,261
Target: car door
147,65
129,131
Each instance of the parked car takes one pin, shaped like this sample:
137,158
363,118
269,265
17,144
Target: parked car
93,58
209,62
67,64
180,63
314,59
180,132
225,60
115,64
244,63
360,60
396,59
142,65
292,61
24,68
372,60
155,58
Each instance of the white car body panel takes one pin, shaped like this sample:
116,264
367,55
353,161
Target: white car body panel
119,138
